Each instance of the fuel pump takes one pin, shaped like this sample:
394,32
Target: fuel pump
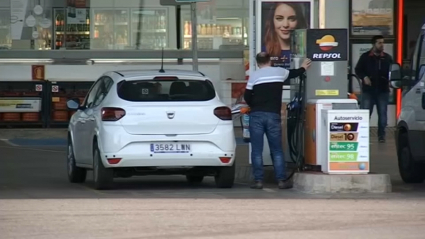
308,100
322,89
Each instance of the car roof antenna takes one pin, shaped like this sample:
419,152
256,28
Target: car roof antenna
162,61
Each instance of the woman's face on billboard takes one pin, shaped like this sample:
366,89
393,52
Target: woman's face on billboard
285,20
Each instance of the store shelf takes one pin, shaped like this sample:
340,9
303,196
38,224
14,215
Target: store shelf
21,104
149,28
213,35
71,33
59,114
110,28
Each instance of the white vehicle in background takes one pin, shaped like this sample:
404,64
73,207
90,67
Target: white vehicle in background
151,123
410,133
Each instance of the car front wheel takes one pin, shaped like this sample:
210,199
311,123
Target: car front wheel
410,170
103,177
225,176
75,174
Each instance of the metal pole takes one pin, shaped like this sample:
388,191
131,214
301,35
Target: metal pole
194,36
139,26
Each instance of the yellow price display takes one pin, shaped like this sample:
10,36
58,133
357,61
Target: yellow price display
327,92
6,103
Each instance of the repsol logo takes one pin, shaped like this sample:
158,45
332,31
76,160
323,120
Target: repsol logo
327,56
348,118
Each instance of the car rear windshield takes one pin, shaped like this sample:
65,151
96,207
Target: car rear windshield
166,90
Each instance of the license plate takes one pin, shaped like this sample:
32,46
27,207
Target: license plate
170,148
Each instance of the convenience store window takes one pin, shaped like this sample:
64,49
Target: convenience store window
87,25
116,25
219,22
119,25
26,24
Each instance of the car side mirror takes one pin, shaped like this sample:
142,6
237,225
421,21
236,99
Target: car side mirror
395,76
73,104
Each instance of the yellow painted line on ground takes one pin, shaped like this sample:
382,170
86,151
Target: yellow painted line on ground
88,188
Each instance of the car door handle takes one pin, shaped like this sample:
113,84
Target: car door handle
418,91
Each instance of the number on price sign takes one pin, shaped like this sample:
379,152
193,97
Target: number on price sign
349,136
38,87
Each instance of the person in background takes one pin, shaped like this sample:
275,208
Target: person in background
373,69
263,94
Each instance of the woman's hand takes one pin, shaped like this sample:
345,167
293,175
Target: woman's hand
306,63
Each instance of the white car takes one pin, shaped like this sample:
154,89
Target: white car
410,131
151,123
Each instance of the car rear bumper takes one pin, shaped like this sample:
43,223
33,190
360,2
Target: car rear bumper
172,160
135,150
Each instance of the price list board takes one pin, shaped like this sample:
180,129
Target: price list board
348,142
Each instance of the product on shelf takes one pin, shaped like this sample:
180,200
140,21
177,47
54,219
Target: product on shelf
11,117
68,90
21,103
71,34
30,117
61,105
60,116
149,29
5,37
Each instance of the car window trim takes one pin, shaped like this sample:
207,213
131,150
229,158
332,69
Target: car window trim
103,90
90,91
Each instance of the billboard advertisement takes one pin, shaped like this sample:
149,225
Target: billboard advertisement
275,22
372,17
271,25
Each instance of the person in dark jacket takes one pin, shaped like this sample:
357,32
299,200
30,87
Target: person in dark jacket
373,68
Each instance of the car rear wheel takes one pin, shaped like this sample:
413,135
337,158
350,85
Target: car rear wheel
194,179
225,176
103,177
410,170
75,174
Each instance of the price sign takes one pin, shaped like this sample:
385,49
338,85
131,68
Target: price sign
348,141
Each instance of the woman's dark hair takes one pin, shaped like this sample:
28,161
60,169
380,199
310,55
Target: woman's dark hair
271,39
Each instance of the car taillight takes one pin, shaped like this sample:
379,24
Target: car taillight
112,114
223,113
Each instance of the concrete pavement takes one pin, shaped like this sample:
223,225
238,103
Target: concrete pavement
38,202
211,218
